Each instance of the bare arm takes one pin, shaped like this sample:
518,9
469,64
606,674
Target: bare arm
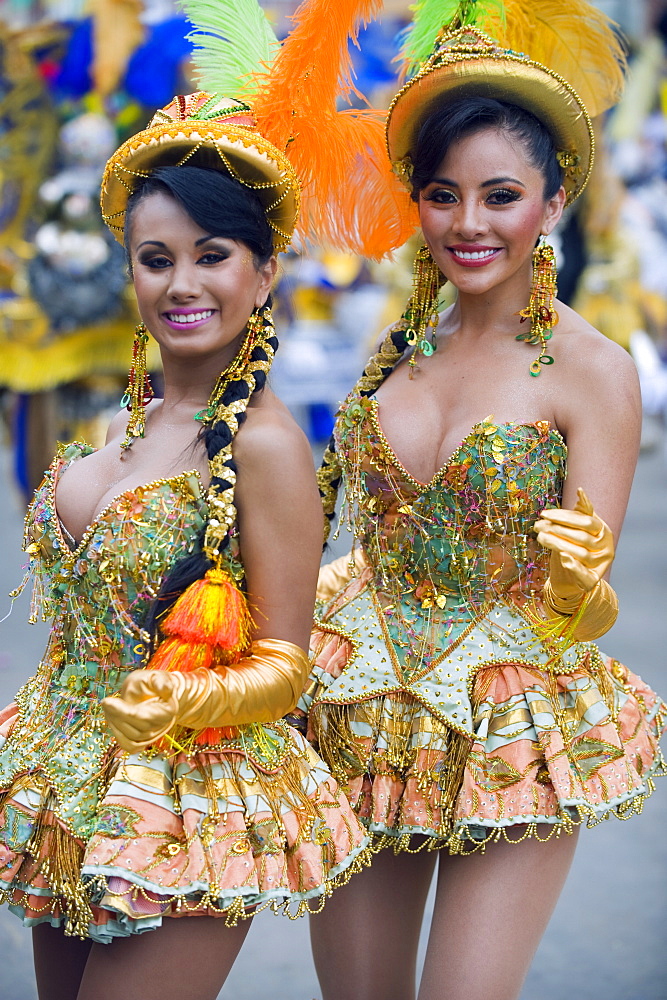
603,424
280,525
601,421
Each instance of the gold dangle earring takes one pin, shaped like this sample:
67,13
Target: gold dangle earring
422,309
540,309
139,391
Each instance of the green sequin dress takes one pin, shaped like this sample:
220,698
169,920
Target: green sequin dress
108,844
439,695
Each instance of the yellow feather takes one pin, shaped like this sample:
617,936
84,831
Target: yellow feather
570,37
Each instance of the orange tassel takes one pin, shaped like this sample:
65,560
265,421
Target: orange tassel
212,610
176,654
209,625
211,737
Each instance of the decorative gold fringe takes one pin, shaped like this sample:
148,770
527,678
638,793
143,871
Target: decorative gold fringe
458,751
603,679
459,843
348,756
58,857
239,909
343,752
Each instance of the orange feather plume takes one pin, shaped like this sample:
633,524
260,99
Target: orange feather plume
351,199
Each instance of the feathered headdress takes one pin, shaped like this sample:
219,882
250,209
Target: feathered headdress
559,59
570,37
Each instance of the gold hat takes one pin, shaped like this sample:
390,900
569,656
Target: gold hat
467,63
204,130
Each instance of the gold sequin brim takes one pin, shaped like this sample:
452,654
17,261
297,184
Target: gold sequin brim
243,154
510,78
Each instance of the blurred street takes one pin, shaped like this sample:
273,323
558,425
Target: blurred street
608,937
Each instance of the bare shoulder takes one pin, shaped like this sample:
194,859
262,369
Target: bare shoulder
585,347
588,354
270,442
117,426
595,379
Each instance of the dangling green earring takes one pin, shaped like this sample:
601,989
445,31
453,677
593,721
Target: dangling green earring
540,309
422,310
258,327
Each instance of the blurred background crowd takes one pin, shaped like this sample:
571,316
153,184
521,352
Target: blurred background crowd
79,76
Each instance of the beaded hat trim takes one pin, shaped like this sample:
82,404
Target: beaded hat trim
207,131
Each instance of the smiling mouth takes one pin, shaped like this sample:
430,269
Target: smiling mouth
193,317
474,254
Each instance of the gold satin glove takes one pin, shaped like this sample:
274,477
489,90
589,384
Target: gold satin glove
597,617
263,687
334,575
582,550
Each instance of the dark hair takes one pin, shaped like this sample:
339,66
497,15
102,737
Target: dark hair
221,206
217,203
470,115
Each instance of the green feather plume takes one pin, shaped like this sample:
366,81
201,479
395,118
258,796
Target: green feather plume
431,16
233,40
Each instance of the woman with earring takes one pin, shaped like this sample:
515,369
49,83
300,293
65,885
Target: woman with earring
457,692
145,774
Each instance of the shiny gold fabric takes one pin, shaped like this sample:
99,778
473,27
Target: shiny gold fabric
261,688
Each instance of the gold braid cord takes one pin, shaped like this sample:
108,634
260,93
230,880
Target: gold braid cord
382,363
222,510
328,479
374,374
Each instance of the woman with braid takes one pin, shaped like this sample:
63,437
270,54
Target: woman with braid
485,467
144,777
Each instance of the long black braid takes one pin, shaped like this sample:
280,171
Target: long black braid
379,366
218,439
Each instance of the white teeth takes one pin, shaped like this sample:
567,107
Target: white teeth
474,255
189,317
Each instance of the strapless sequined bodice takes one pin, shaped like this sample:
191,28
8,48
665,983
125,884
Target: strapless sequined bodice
99,592
467,534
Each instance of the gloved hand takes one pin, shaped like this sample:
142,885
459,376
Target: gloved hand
334,575
582,550
261,688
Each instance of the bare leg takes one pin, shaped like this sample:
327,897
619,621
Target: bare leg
187,958
491,911
59,962
365,940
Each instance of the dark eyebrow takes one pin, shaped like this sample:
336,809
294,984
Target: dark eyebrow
502,180
494,180
158,243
